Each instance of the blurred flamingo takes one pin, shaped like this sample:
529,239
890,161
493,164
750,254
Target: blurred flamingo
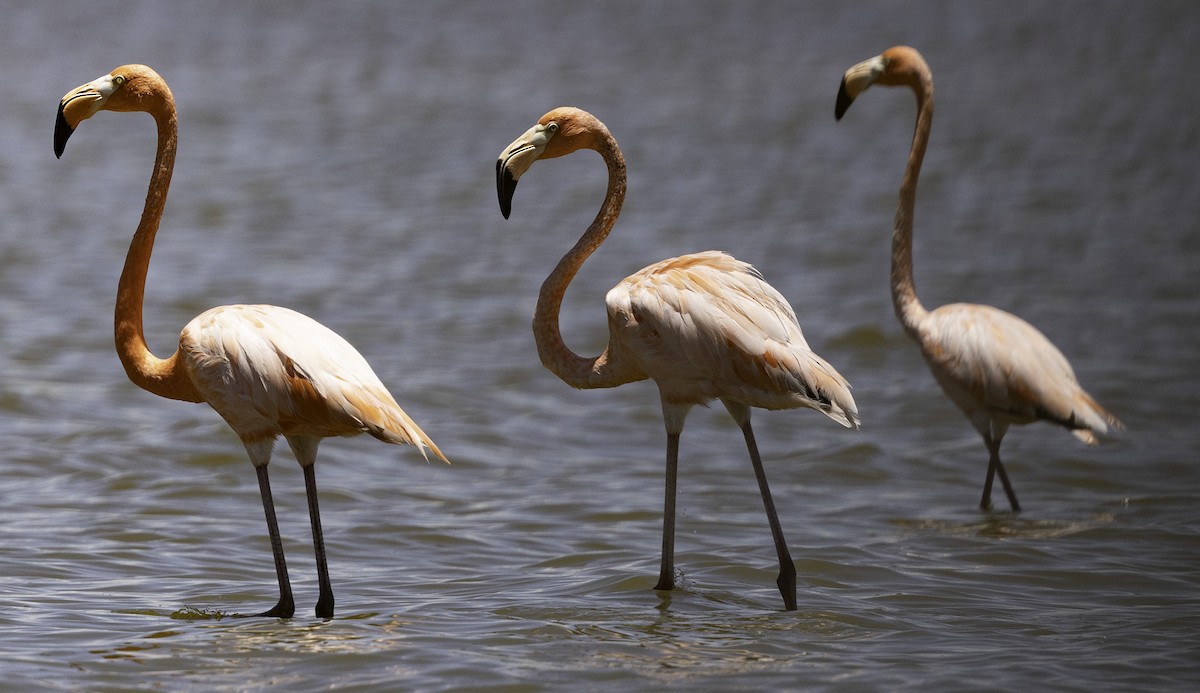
996,367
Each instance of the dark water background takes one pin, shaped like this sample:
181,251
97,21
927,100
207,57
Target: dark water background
337,158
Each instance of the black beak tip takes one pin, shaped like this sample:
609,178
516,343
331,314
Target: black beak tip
62,132
505,185
843,102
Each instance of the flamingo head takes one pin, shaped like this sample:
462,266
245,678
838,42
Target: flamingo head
899,65
559,132
119,90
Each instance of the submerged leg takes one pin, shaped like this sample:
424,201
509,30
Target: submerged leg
325,600
666,572
787,569
286,606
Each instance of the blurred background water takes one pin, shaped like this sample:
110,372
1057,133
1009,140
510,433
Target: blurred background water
339,159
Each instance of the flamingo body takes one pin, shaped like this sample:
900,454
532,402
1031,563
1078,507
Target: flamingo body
1001,370
270,371
707,326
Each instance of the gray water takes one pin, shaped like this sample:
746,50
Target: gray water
337,158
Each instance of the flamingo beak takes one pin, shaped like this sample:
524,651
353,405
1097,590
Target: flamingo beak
78,105
856,80
506,185
62,132
516,159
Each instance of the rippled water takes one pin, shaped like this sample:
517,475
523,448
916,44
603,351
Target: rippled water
338,159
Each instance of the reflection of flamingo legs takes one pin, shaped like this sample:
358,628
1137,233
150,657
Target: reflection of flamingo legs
268,371
996,367
702,326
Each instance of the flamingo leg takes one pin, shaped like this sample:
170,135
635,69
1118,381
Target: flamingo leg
1008,489
325,600
666,572
286,606
787,569
996,466
986,502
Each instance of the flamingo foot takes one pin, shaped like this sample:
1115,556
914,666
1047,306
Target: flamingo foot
787,586
286,608
325,605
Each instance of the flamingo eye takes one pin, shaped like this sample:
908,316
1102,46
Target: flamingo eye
552,128
118,80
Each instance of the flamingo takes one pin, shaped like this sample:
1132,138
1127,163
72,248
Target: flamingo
268,371
997,368
703,326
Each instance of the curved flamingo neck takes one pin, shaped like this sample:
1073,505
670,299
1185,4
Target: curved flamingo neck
164,377
904,293
575,370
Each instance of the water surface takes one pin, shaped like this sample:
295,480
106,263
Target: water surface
339,160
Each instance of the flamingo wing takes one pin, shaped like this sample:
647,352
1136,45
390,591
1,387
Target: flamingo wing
272,371
707,326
